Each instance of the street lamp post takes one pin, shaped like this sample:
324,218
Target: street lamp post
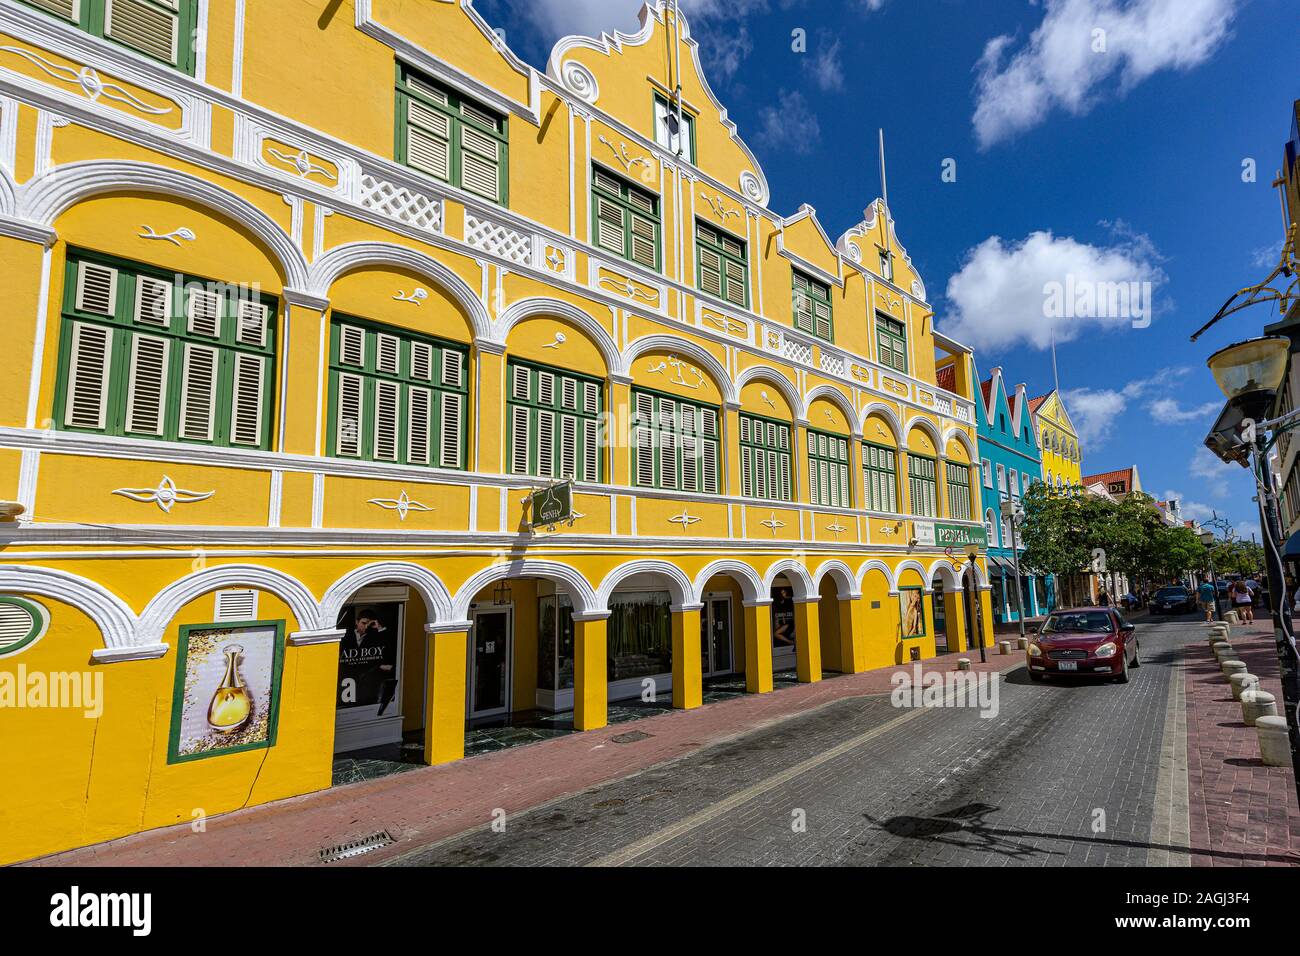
1207,539
1008,509
976,621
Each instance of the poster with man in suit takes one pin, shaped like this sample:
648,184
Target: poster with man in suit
368,656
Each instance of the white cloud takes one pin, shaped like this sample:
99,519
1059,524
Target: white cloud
999,295
1213,472
1097,411
790,124
1066,61
825,66
1191,510
1170,410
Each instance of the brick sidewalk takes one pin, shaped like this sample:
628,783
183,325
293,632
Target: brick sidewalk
1242,812
422,806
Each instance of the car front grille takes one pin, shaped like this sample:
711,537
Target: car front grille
1067,655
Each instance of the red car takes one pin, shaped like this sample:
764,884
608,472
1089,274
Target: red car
1086,642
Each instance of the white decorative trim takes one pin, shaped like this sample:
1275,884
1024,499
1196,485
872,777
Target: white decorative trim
875,564
751,583
678,584
844,577
579,81
29,467
312,638
118,655
585,599
801,581
416,296
8,151
685,519
175,237
403,505
434,594
782,383
165,496
674,344
622,157
157,615
87,79
112,615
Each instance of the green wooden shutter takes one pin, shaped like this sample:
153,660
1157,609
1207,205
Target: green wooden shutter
147,385
198,392
419,412
150,26
480,164
428,140
90,364
348,428
96,289
452,424
247,397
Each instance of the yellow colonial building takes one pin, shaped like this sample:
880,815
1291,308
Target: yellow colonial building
381,384
1059,442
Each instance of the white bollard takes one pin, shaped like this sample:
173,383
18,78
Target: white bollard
1024,643
1223,650
1231,617
963,663
1241,683
1004,647
1232,667
1256,703
1274,742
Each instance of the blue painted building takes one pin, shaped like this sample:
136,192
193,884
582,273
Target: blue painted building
1010,462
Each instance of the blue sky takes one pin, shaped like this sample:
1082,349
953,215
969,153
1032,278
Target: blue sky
1112,156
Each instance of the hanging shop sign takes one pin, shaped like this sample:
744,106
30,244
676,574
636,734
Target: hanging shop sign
553,505
958,535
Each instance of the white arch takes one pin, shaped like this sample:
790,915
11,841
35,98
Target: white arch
927,426
326,270
888,414
751,584
963,439
584,598
911,565
843,576
528,308
672,343
981,580
437,599
157,615
952,578
679,585
801,581
875,564
8,193
44,198
765,373
840,401
114,618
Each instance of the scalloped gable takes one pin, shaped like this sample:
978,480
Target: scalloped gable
618,74
463,49
859,245
802,239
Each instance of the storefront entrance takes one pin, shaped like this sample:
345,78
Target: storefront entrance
715,636
783,626
369,699
940,620
489,663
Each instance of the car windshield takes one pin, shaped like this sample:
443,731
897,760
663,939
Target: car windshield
1097,622
1171,593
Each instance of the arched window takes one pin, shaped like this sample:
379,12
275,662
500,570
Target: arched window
988,529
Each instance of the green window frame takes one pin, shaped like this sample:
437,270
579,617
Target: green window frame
813,312
828,470
556,423
891,342
923,486
765,458
162,30
675,443
721,264
663,136
396,396
150,354
959,497
452,138
880,470
625,219
22,624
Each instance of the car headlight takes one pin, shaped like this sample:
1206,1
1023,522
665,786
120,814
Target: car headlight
1035,650
1107,650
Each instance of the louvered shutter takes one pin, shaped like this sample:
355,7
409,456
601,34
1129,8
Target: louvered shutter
735,283
16,624
746,472
251,322
352,346
822,320
246,398
545,444
480,163
89,367
198,392
710,272
645,469
203,312
68,9
568,447
348,428
545,388
96,289
150,26
591,451
520,387
452,423
668,462
609,226
152,302
147,385
428,140
419,409
803,311
591,398
709,461
422,361
785,476
452,368
386,420
519,441
569,393
645,248
388,353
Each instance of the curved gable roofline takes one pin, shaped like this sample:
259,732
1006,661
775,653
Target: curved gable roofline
417,56
753,186
850,248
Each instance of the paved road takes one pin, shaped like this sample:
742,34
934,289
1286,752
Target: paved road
1064,774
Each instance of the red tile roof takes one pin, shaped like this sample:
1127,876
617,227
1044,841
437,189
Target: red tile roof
986,387
1108,478
1036,403
947,378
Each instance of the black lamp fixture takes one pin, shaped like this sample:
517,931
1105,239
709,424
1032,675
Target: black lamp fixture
502,594
1249,374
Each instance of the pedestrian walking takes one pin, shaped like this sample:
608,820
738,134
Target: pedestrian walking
1205,594
1103,599
1243,601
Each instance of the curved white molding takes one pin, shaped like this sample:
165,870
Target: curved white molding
840,401
843,576
584,598
924,424
679,585
672,343
326,270
962,439
114,618
436,597
800,580
8,193
981,579
751,583
911,565
579,81
888,414
157,616
46,197
765,373
755,188
532,308
952,578
875,564
850,246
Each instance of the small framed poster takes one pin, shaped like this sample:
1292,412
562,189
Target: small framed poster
913,611
227,694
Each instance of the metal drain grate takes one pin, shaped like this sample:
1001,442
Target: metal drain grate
631,737
345,851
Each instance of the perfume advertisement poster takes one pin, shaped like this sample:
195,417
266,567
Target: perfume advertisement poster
368,655
783,618
913,613
227,689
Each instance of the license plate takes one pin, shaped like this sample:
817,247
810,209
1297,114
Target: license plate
1067,665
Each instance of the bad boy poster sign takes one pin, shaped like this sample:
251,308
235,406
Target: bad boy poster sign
368,655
